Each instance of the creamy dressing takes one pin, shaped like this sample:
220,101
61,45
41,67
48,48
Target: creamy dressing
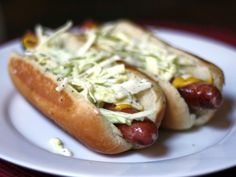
58,147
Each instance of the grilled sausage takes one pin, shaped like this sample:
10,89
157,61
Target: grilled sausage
201,95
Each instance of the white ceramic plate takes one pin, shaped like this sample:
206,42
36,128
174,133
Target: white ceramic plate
25,133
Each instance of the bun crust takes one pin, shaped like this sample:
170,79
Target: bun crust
68,109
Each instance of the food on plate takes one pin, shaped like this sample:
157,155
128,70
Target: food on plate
192,85
90,92
59,148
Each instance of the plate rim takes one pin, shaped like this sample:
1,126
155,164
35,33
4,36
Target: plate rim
50,171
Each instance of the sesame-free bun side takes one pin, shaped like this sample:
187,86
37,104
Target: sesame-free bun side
71,111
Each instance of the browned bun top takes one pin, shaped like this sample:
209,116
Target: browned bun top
70,110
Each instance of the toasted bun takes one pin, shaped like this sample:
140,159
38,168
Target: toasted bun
178,116
71,111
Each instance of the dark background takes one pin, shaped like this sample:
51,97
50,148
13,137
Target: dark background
20,15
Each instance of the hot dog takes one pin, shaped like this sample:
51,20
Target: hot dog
191,84
140,133
72,81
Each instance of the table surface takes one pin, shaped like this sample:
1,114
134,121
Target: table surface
8,169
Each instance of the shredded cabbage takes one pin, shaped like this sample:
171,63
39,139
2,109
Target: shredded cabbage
141,53
121,117
90,69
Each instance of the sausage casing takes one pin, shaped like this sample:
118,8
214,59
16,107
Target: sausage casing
201,95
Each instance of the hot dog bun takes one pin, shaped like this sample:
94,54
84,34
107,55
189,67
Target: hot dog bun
71,111
178,115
